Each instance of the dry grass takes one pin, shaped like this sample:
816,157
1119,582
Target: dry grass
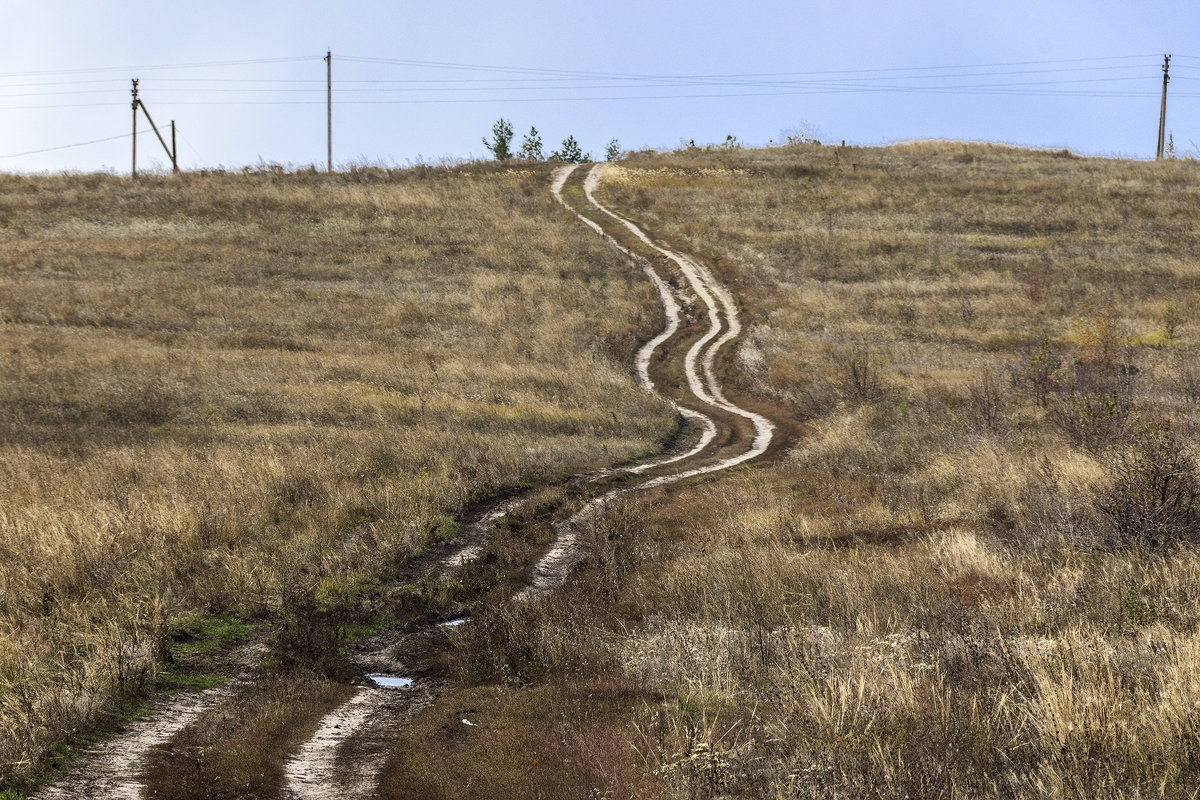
548,741
933,596
223,390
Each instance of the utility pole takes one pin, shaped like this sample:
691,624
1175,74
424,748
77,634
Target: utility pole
170,151
329,108
137,103
135,108
1162,111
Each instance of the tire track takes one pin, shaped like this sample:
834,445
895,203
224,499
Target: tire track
110,771
724,326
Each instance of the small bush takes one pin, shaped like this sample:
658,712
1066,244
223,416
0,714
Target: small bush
989,404
312,640
531,146
1155,496
501,144
862,372
570,152
1041,373
1100,338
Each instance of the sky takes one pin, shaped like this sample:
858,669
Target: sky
245,81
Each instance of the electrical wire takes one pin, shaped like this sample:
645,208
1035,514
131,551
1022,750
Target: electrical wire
154,67
69,146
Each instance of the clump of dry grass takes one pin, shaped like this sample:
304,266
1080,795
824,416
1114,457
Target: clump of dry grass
222,390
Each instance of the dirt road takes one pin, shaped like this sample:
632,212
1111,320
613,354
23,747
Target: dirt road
343,757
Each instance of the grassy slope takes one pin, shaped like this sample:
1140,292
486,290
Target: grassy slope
926,598
225,392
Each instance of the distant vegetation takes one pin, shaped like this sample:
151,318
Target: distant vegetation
569,152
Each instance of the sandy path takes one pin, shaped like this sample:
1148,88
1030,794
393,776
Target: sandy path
313,773
720,305
109,771
646,352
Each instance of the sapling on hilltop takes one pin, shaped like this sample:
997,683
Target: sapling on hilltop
570,152
531,145
501,144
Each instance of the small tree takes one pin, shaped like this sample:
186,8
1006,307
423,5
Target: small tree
613,151
531,145
570,152
502,134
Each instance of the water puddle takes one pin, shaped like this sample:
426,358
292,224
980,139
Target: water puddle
390,681
452,623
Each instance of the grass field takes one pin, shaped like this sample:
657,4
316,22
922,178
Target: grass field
973,575
228,393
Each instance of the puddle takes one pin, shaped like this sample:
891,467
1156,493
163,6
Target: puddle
390,681
452,623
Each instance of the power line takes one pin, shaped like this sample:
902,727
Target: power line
145,67
68,146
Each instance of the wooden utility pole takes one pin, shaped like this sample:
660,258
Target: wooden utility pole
137,103
135,108
329,108
1162,111
170,151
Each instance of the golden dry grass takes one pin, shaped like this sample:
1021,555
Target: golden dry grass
939,593
223,391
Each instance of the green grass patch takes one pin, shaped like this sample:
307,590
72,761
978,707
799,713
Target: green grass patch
205,633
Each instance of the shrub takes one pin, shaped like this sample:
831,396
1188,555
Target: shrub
988,402
1094,421
1041,372
1155,495
1100,338
862,370
570,152
613,151
1170,318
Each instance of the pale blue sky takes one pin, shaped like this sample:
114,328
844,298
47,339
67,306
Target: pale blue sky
1054,73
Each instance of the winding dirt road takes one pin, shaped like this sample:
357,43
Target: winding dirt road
343,757
315,775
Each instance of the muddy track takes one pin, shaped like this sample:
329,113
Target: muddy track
110,770
342,759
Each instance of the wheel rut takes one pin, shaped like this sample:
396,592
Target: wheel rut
343,758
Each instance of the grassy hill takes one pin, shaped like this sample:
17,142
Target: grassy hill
972,573
975,574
